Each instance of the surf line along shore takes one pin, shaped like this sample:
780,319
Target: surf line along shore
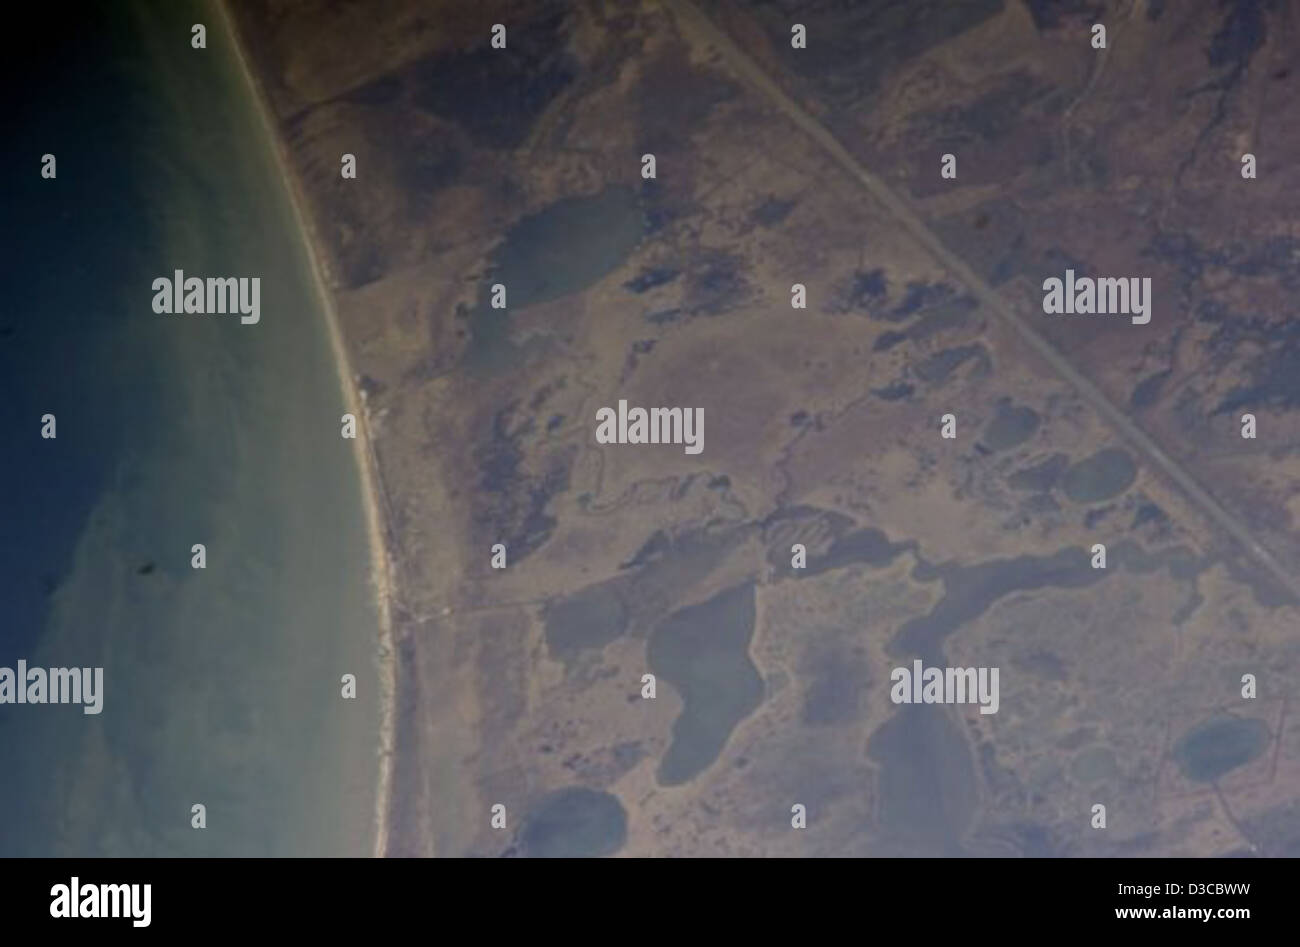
381,568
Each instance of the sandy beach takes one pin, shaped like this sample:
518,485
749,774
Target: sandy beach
381,571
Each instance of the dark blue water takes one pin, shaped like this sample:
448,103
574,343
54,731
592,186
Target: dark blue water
66,244
221,686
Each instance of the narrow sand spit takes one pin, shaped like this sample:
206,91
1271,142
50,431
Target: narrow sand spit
381,573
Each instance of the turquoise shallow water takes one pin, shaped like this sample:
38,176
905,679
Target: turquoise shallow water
222,685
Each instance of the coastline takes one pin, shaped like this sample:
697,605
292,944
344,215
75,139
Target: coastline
381,577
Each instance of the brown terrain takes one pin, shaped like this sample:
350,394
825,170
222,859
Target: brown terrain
820,166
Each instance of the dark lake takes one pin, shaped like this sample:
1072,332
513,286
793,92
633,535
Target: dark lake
703,651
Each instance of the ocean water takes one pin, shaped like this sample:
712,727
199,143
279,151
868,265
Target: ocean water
221,685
